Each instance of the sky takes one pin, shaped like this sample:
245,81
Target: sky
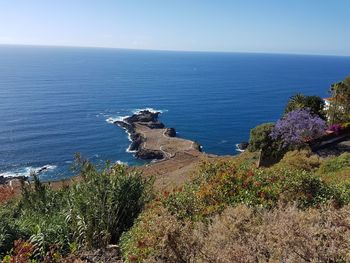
270,26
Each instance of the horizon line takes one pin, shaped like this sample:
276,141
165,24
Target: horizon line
178,50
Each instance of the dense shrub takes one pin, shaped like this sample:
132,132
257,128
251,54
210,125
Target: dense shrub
227,184
104,204
9,231
271,150
334,164
91,213
260,137
313,103
300,160
297,127
339,109
242,234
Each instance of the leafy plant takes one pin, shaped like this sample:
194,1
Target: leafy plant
314,104
260,137
339,110
335,164
104,204
298,126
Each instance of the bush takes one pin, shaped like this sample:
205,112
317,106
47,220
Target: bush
260,137
339,109
335,164
300,160
104,204
297,127
9,231
223,184
314,104
92,213
243,234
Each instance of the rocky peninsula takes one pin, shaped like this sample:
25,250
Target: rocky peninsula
151,140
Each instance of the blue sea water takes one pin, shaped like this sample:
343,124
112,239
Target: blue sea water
55,102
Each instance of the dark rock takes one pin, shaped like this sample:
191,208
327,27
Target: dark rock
143,116
148,119
153,125
170,132
149,154
242,146
197,146
137,140
3,180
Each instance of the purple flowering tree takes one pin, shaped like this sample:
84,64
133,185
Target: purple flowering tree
297,127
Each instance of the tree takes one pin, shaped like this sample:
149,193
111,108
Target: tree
297,127
339,109
299,101
260,137
271,151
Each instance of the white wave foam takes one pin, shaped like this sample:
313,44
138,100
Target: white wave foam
130,151
112,120
137,111
27,171
121,162
238,149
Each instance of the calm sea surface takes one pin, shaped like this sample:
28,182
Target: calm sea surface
55,102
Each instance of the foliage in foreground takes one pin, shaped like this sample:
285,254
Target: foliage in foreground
242,234
92,213
288,212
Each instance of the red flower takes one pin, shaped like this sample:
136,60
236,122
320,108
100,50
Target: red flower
250,174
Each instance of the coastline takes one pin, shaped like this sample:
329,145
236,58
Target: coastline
151,140
173,160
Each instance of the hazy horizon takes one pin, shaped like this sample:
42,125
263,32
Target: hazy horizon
173,50
288,27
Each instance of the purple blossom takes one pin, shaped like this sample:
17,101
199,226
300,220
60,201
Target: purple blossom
335,127
297,127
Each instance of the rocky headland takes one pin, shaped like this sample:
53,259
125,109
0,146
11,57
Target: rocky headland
151,140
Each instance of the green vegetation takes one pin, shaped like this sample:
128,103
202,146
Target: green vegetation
89,214
260,137
335,164
299,101
339,110
233,207
260,140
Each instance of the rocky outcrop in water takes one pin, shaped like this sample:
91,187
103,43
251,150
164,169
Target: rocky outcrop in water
150,139
150,120
242,146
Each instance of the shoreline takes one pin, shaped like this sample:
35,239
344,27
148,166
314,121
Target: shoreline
174,159
151,140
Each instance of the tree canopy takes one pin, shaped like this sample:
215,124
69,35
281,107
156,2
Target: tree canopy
339,110
299,101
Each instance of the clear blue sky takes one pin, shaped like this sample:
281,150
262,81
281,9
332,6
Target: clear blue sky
281,26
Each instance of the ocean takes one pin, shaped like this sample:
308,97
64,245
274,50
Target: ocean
58,101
